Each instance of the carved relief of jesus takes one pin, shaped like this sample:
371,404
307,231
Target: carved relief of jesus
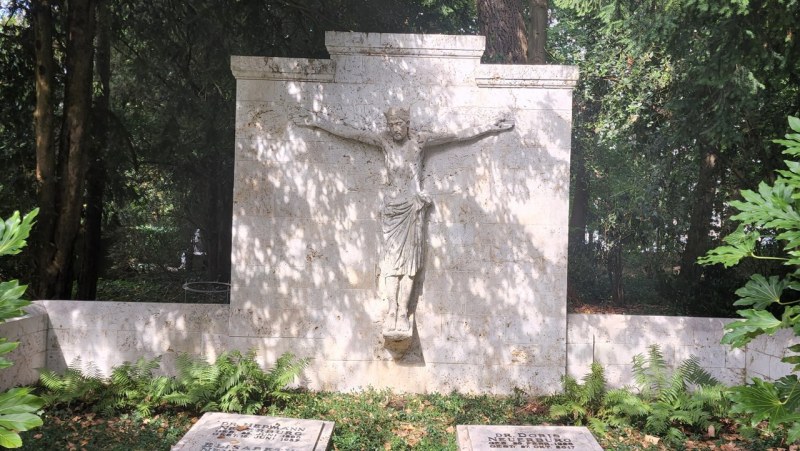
404,204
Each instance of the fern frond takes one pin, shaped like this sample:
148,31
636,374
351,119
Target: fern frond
598,426
71,386
594,386
675,436
623,403
651,372
658,421
286,369
691,371
570,410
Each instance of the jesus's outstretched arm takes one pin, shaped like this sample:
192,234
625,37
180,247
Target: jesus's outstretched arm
435,139
342,130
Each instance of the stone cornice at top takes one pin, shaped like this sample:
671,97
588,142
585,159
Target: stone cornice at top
466,48
390,44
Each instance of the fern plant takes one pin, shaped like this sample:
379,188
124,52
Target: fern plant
233,383
134,386
688,398
665,404
79,384
580,402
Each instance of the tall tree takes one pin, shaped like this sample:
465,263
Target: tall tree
91,252
688,94
537,32
503,24
61,169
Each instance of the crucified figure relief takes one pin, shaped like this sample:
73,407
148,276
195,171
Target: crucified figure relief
404,205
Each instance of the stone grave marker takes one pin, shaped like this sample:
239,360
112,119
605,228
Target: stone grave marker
485,438
217,431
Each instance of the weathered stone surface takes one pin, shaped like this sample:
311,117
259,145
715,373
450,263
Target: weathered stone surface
486,438
217,431
490,288
119,332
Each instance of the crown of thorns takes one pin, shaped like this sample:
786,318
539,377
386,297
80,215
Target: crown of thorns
399,113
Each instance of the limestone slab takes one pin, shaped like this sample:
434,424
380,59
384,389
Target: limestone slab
313,180
486,438
225,431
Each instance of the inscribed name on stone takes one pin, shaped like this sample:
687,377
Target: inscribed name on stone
217,431
484,438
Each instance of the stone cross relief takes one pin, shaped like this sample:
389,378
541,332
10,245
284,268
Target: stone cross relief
404,205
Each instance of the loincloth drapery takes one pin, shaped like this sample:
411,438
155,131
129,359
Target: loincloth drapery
402,221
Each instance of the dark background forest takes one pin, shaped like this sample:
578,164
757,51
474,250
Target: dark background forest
116,120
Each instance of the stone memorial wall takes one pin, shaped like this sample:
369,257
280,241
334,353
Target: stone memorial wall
317,176
400,214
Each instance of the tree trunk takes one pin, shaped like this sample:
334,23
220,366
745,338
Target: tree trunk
697,239
537,32
55,270
43,123
580,197
91,254
615,268
502,23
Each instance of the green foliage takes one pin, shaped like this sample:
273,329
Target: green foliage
78,385
686,399
368,419
775,403
770,215
134,386
580,402
131,386
18,409
667,403
662,84
17,406
66,429
14,232
233,383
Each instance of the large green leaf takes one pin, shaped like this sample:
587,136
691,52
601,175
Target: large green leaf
20,421
7,346
17,413
793,432
772,206
19,400
761,292
789,390
14,232
740,245
11,303
10,439
764,401
794,123
755,323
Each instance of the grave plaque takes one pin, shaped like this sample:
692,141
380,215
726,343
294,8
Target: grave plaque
217,431
485,438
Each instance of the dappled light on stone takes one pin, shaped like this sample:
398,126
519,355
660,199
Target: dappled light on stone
487,306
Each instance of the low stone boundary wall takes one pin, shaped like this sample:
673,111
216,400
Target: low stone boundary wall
31,333
102,335
613,341
106,334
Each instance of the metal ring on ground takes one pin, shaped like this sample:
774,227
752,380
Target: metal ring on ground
188,286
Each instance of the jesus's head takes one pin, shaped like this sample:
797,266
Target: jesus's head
397,121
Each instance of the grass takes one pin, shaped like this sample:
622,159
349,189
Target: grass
156,286
369,420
